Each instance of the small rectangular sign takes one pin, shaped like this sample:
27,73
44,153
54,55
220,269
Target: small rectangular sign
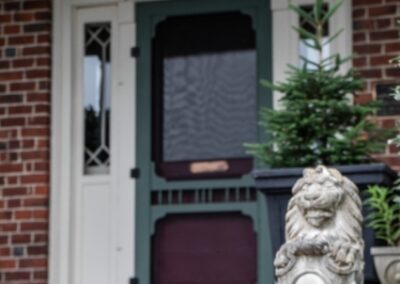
209,167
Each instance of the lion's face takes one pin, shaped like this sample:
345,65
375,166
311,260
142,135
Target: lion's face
319,197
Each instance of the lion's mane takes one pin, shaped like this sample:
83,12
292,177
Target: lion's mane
345,225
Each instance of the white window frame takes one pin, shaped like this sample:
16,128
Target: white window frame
285,39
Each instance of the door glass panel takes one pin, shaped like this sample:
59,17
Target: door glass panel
205,77
97,97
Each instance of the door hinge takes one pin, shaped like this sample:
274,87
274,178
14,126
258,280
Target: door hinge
134,280
135,173
135,51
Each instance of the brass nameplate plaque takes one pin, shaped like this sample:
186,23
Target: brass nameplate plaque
209,167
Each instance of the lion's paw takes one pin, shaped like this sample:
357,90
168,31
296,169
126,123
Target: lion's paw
343,254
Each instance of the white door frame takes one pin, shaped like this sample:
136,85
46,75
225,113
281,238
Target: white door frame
64,247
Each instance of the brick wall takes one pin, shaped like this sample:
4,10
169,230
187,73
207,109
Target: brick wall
376,40
25,28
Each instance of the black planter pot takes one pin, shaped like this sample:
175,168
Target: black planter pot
276,185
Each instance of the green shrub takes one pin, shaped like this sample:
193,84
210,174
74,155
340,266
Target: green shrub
318,122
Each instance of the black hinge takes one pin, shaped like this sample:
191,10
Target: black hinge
135,51
134,280
135,173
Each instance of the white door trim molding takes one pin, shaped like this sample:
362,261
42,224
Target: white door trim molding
61,231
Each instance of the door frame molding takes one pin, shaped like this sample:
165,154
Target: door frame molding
61,229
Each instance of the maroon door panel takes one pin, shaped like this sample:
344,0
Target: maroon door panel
218,248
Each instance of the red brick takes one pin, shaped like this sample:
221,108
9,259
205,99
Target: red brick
366,2
8,227
5,251
23,214
380,60
13,203
21,239
38,97
383,35
5,18
23,17
393,72
383,23
43,62
3,240
43,16
380,10
5,215
40,275
20,40
42,190
359,62
35,178
7,99
7,264
41,238
36,202
33,132
14,144
44,85
6,76
13,191
370,73
37,4
9,168
39,120
38,73
4,64
13,276
358,13
45,38
37,50
28,143
392,47
37,250
34,155
41,214
23,63
388,123
37,27
22,86
33,262
367,24
12,6
12,29
34,226
8,122
42,108
41,166
361,99
19,109
367,49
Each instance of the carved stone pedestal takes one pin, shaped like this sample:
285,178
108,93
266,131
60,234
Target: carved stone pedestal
323,232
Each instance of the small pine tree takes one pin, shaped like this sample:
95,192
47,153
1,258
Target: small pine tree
318,122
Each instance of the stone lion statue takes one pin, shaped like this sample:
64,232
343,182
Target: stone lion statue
323,231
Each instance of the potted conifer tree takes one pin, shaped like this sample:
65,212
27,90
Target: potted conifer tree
317,124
